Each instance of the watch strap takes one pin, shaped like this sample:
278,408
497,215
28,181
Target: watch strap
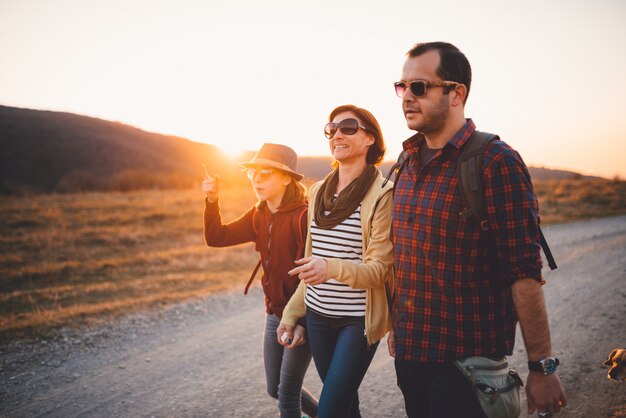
537,366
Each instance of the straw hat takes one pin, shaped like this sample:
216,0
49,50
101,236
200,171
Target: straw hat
276,156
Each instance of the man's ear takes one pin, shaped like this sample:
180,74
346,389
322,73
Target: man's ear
458,95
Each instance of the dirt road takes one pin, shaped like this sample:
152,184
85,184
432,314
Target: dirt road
202,359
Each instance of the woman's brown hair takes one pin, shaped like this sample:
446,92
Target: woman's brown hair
294,192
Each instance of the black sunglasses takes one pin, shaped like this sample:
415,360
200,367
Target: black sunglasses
347,127
419,87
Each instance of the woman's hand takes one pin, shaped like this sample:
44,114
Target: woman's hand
284,335
299,336
289,336
312,270
210,185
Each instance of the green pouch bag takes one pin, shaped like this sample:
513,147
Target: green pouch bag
497,387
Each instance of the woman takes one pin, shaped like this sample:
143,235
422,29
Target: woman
348,263
277,225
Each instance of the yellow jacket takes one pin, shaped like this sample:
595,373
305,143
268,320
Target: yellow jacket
371,274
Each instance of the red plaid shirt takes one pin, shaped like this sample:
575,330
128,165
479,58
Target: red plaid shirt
452,291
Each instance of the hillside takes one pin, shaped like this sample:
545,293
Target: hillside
45,151
318,167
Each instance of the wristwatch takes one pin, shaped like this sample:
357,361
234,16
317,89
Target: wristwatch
546,365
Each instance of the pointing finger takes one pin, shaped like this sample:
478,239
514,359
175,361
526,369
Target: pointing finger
205,172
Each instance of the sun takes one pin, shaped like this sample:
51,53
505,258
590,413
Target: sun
232,152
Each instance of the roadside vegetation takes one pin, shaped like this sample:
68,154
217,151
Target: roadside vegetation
70,259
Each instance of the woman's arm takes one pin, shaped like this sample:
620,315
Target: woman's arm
236,232
295,308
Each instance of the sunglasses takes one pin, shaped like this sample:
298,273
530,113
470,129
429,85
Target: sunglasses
347,127
261,174
419,87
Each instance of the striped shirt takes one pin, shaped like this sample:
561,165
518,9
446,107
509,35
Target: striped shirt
344,241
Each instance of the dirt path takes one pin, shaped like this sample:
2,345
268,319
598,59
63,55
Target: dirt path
202,359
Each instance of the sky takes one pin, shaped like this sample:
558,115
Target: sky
549,76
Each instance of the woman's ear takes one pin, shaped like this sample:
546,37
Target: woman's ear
287,179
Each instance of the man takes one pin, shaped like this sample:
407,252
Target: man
460,291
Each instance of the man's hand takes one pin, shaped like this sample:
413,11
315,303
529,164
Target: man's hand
544,393
312,270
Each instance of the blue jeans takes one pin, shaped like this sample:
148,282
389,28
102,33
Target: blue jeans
341,356
284,373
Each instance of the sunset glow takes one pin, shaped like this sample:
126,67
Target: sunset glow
548,76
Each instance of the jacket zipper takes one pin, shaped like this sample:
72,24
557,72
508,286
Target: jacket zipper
269,249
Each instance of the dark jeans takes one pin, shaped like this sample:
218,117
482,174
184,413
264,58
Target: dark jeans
341,356
436,391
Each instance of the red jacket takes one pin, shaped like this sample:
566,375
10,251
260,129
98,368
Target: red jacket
277,245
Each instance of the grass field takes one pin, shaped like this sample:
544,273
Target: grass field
67,259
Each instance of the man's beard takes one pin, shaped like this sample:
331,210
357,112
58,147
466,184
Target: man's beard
436,119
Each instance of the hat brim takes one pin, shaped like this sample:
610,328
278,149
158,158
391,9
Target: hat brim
261,162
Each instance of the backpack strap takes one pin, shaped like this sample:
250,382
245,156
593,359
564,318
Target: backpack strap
245,291
256,269
470,178
397,168
297,226
546,251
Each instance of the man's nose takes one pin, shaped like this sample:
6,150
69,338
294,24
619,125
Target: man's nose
408,96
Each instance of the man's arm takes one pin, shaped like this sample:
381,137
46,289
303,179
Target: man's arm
544,392
512,211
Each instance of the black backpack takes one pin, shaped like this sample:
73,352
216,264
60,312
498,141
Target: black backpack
469,174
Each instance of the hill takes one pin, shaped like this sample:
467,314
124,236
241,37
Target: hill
318,167
46,151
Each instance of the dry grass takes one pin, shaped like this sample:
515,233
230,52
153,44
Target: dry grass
66,259
572,199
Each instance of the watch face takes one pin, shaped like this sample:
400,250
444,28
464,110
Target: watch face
549,365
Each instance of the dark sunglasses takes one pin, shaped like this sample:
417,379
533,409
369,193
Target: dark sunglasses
419,87
346,126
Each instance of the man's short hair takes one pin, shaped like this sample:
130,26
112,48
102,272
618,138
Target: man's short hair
453,65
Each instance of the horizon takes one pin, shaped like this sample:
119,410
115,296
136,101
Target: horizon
241,154
548,78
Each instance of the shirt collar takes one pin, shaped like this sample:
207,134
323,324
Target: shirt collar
457,141
414,142
462,135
